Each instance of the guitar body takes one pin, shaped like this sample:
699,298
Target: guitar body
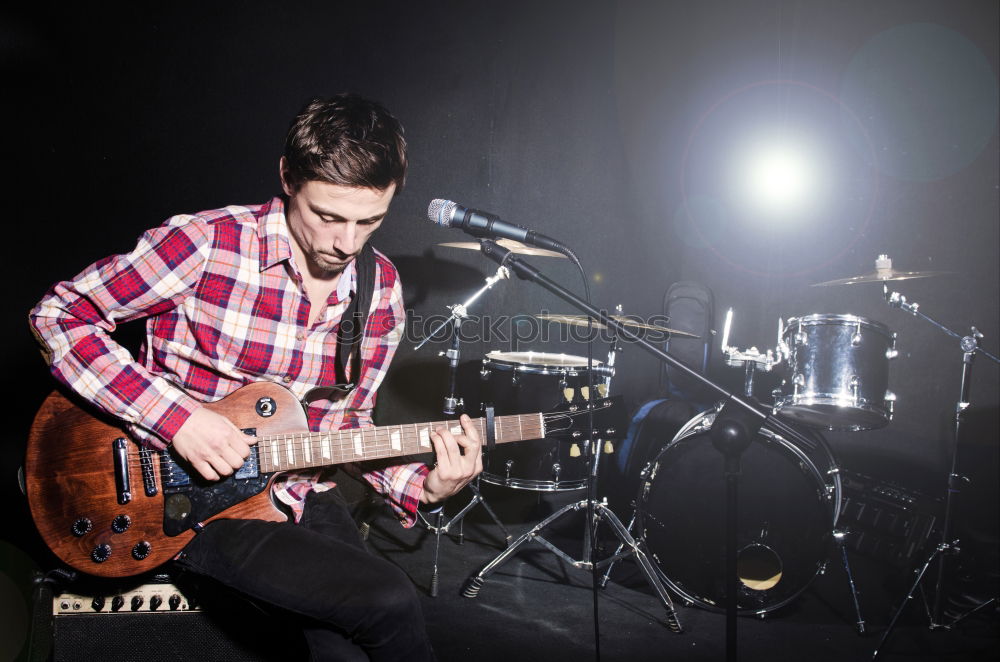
74,489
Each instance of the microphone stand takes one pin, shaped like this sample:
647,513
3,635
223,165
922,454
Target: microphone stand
969,345
452,405
737,422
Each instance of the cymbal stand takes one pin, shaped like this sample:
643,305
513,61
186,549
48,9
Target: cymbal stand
437,522
969,346
596,511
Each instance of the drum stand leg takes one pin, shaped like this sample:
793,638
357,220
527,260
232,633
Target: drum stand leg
606,577
840,537
629,546
440,527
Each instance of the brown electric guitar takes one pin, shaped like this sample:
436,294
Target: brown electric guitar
108,507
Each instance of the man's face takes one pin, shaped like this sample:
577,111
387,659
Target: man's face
330,224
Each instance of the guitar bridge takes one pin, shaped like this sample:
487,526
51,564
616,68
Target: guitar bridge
148,477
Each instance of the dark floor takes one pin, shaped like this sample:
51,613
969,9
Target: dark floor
535,606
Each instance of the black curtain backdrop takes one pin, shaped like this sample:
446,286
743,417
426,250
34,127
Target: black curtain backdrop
603,124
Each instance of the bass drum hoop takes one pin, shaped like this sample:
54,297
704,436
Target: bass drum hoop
702,423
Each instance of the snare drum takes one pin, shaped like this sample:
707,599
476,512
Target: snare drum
528,382
838,372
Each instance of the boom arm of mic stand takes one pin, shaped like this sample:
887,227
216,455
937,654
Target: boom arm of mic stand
525,271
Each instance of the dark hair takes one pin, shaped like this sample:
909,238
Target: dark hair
346,140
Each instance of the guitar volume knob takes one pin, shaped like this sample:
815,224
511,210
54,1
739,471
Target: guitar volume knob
82,526
141,550
121,523
101,553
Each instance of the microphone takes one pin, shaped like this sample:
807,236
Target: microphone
487,226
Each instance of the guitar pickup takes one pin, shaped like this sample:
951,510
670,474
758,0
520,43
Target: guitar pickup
122,483
250,468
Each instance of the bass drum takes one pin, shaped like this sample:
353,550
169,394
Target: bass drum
788,507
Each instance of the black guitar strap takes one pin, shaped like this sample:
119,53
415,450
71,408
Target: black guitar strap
352,329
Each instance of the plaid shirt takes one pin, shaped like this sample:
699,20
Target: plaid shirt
225,307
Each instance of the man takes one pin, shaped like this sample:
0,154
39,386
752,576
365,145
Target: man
264,292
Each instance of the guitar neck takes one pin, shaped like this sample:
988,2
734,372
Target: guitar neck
286,452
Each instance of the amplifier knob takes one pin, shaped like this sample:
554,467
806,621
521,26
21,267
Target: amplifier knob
82,526
97,604
101,553
117,603
141,550
155,602
174,602
121,523
136,602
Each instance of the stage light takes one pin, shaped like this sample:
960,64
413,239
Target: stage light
779,178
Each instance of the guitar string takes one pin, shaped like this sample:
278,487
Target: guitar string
376,444
376,441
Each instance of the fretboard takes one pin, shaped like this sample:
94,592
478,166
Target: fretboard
283,452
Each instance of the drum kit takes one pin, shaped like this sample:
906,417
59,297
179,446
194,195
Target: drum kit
835,376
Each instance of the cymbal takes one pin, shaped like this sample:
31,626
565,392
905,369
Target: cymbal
511,245
883,272
581,320
881,275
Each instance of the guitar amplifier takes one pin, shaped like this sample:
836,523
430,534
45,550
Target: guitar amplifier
155,622
885,520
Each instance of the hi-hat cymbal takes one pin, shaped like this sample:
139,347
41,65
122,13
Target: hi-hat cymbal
883,272
509,244
581,320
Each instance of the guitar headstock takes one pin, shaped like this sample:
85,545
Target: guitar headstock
609,418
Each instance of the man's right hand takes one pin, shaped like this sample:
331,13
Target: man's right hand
211,444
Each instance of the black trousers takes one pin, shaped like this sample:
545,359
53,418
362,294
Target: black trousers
351,603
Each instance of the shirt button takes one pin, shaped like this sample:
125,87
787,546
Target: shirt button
300,336
287,379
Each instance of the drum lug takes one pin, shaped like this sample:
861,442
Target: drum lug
556,470
509,465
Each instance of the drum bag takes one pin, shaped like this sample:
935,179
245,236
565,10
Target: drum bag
690,306
653,425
